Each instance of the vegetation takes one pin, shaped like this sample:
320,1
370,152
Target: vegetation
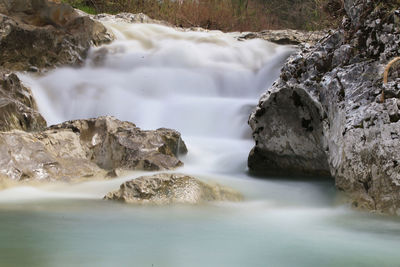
85,6
227,15
386,74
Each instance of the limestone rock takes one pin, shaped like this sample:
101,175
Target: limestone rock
44,156
38,34
87,148
18,108
167,188
111,144
286,37
129,18
324,114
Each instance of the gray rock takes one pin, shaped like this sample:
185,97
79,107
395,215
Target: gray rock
40,34
92,148
286,37
167,188
18,108
129,18
45,156
111,144
324,115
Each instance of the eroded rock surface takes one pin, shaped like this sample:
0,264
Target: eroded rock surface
112,143
324,114
18,108
286,37
87,148
129,18
39,34
45,156
168,188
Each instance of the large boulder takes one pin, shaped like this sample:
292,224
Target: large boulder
39,34
168,188
87,148
18,108
325,114
112,144
45,156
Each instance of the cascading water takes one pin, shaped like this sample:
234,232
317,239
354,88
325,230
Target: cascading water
203,84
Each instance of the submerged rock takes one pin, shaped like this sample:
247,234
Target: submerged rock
324,114
18,108
168,188
87,148
37,34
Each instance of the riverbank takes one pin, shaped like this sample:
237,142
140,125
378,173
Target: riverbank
228,16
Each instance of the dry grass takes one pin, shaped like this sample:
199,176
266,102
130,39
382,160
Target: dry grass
386,74
228,15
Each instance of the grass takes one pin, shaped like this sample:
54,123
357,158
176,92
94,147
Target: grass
85,7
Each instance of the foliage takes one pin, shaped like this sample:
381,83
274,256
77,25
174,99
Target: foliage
85,6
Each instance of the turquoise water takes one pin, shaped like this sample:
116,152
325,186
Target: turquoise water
83,232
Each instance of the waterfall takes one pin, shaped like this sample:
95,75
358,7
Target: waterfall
203,84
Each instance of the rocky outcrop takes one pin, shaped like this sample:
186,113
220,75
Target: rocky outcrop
111,144
324,114
18,109
129,18
286,37
40,34
45,156
168,188
87,148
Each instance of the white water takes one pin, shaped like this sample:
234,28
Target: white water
203,84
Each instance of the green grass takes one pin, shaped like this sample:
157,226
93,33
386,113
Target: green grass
87,9
78,4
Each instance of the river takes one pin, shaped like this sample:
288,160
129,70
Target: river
203,84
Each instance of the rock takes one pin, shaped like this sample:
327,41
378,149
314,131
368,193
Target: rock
286,37
87,148
129,18
168,188
111,144
324,114
39,34
44,156
18,108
